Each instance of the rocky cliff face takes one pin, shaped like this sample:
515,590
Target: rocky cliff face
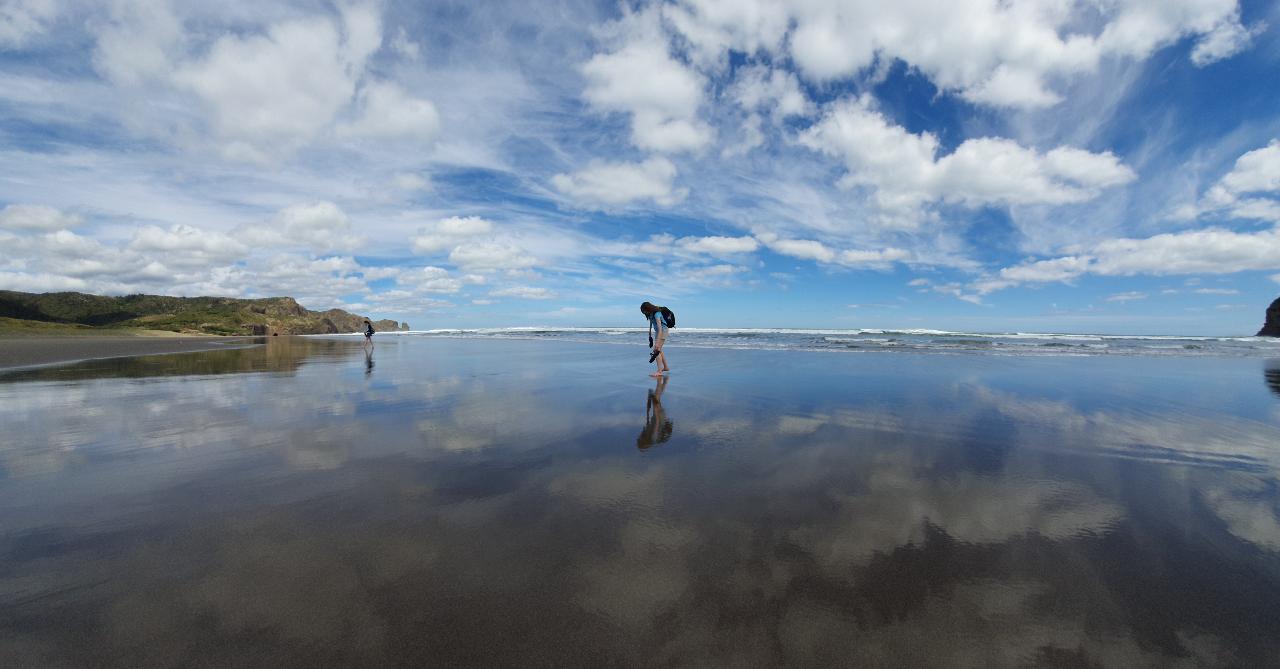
1272,327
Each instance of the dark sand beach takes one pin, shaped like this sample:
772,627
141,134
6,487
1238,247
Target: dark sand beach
521,503
24,351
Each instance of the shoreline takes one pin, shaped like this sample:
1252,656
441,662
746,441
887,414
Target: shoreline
21,352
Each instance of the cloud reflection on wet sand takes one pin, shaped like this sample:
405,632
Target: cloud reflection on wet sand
458,506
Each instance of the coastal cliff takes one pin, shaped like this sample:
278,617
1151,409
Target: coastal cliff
1271,328
195,315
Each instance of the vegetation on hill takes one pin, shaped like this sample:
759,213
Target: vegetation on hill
195,315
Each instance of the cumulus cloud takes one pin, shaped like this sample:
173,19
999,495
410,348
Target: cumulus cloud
903,171
718,245
524,293
808,249
430,280
387,111
29,217
1225,39
759,88
1208,251
138,42
281,88
491,256
1001,54
661,94
604,184
1248,191
319,226
187,245
449,232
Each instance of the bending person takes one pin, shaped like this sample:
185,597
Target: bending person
657,337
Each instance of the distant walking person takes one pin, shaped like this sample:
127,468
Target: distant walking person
660,320
368,332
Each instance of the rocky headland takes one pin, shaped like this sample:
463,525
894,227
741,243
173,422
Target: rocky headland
1271,328
84,313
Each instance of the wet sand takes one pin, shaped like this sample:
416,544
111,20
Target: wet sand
26,351
464,503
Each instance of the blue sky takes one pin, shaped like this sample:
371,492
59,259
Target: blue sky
1080,166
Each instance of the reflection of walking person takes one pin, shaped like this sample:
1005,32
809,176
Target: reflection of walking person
657,429
660,320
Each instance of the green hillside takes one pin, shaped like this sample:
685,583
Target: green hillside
80,312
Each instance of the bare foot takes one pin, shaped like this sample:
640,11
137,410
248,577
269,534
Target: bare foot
656,375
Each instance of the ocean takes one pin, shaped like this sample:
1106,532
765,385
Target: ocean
869,340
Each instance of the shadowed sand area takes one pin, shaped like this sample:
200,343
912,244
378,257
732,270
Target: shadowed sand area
24,351
531,503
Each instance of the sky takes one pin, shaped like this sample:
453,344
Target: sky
1108,166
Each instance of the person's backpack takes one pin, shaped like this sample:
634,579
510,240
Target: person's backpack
668,317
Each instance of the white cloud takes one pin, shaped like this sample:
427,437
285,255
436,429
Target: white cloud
491,256
1227,38
759,88
319,226
524,293
661,94
1216,291
871,258
904,174
408,181
430,280
952,288
1041,271
28,217
22,20
388,112
404,46
449,232
718,245
140,41
1208,251
604,184
1241,193
187,245
1003,54
808,249
281,88
804,249
713,27
1126,297
41,282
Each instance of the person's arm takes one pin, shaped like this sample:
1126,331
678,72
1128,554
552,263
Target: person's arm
653,325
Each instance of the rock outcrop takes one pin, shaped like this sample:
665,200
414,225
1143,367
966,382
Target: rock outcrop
1272,327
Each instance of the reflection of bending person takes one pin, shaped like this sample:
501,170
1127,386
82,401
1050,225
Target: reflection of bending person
657,429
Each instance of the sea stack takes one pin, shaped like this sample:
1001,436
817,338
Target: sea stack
1272,327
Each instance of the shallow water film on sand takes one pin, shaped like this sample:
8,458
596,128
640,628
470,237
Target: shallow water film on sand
467,502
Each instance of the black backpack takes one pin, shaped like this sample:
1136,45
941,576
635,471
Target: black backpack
668,317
